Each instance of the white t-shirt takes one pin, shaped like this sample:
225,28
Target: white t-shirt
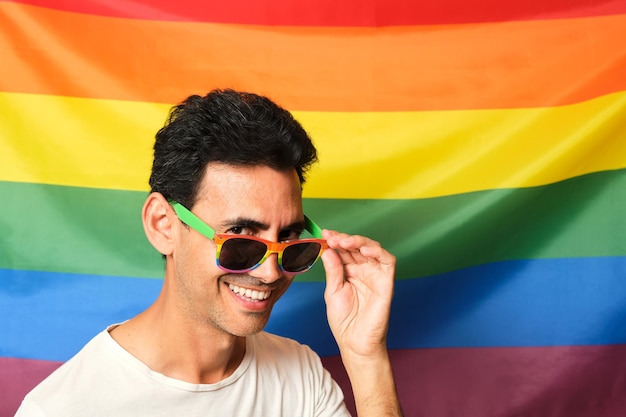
277,377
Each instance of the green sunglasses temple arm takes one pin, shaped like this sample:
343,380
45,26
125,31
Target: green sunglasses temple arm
194,222
312,227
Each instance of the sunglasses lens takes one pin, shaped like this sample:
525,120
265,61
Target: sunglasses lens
241,254
300,256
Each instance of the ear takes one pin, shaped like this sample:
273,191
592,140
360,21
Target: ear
158,217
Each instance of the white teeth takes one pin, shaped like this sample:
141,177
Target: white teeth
254,295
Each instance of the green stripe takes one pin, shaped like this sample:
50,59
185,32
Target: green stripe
580,217
76,230
95,231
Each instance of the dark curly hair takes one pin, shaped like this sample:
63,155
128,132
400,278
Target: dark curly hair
227,126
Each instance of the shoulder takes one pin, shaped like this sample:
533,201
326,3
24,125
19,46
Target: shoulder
64,384
96,347
268,344
283,356
298,371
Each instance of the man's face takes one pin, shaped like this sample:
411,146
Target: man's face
257,201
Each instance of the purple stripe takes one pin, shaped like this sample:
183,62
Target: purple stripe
17,377
561,381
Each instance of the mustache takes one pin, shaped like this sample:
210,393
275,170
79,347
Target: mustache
245,280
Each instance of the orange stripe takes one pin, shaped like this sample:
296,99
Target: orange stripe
498,65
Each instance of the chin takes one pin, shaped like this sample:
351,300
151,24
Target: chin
251,326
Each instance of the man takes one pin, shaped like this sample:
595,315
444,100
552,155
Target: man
225,210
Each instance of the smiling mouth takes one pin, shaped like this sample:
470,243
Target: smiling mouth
250,295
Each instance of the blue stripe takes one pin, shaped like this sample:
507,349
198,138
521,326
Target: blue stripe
548,302
50,316
553,302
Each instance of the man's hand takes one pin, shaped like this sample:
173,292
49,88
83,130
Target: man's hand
359,289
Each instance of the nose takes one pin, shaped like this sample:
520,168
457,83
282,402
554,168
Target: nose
269,271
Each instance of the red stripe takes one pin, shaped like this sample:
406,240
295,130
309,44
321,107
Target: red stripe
572,381
339,13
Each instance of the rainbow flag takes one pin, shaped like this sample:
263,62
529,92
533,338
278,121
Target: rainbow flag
482,142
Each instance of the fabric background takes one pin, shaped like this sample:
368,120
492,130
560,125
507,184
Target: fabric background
482,142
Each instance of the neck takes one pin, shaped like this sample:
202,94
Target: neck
179,346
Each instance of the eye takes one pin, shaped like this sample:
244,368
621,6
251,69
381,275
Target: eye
287,235
240,230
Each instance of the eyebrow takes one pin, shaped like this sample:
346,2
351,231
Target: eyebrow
248,222
200,226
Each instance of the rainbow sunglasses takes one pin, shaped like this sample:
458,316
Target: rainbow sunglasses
242,253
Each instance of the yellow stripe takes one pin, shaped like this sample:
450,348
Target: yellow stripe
77,142
107,144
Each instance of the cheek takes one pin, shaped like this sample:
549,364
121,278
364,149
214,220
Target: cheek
287,283
198,248
195,259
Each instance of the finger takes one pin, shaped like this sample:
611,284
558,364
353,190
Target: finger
333,266
358,249
379,254
344,244
337,241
